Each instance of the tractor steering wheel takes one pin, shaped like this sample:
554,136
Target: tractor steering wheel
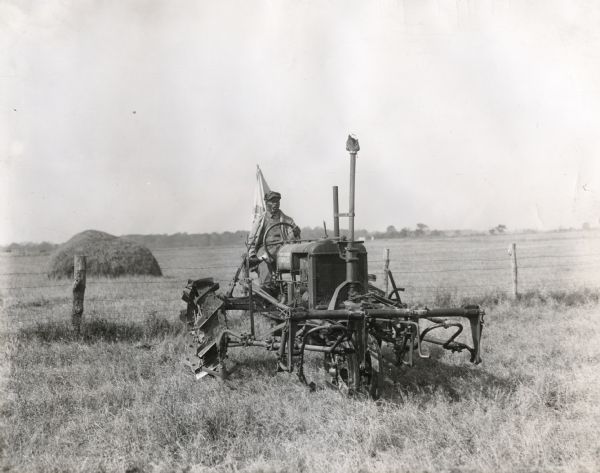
285,237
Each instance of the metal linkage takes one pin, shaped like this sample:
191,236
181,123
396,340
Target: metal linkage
346,334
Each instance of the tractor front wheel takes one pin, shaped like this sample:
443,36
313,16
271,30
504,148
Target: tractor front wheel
352,378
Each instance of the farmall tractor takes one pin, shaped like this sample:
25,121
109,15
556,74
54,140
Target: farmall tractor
324,310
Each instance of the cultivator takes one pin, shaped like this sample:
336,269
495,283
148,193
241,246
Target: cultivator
322,302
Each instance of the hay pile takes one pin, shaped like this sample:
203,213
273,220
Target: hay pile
106,254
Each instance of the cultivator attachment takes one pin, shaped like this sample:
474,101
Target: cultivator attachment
206,342
409,335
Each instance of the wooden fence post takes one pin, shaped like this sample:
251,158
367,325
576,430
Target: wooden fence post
248,292
79,267
386,269
513,252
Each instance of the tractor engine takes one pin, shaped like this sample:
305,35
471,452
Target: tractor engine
312,271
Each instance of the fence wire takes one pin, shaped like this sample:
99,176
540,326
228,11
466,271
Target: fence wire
28,296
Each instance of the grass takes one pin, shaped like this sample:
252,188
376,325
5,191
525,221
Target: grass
533,297
118,399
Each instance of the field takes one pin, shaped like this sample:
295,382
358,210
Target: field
118,399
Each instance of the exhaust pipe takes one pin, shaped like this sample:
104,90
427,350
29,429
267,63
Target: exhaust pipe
336,213
350,255
352,147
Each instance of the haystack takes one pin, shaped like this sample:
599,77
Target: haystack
107,255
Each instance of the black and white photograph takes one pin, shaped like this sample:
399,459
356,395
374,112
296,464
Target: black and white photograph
288,236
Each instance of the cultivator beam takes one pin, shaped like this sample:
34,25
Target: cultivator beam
300,329
409,318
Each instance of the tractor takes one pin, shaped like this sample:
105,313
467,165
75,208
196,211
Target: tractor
325,309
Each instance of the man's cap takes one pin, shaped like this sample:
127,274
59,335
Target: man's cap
272,195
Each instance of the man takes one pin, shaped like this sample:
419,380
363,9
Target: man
272,216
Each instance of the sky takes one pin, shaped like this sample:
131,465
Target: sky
151,116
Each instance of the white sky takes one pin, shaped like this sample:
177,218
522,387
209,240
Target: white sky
469,113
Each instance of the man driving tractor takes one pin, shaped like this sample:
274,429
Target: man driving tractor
277,234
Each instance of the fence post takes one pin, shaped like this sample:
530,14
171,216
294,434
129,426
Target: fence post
79,267
386,269
513,252
248,292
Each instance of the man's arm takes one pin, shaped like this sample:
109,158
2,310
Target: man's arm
290,220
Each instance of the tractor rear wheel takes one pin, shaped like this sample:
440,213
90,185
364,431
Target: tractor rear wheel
206,338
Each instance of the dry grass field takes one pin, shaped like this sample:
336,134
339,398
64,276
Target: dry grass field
117,398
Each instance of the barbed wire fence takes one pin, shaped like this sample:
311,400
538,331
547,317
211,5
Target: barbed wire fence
27,296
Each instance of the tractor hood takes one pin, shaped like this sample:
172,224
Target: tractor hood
288,253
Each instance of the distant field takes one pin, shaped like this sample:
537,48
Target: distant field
118,399
429,269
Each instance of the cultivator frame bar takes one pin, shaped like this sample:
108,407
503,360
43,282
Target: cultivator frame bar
340,332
